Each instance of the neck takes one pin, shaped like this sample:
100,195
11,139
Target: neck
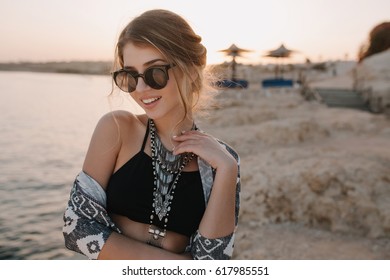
166,129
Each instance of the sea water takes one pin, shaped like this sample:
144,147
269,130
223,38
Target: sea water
46,122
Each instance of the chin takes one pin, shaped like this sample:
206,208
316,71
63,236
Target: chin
164,112
154,115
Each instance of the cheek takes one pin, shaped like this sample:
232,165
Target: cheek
175,86
133,97
174,95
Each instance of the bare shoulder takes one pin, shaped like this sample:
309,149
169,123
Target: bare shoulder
117,119
106,144
119,124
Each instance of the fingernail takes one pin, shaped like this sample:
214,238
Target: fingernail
174,136
183,131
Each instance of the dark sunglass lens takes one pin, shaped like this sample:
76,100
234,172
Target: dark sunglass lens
131,82
121,80
156,77
125,81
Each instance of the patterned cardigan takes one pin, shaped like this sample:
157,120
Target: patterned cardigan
87,224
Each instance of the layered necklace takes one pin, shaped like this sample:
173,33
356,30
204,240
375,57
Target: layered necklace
167,169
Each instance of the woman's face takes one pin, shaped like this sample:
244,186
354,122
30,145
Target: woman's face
158,103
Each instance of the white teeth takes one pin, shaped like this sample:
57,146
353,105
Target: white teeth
150,100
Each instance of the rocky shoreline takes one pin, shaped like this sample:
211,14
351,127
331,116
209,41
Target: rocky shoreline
315,180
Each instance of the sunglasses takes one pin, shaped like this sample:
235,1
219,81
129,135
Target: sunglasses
155,76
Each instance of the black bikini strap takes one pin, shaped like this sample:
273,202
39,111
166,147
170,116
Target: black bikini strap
146,137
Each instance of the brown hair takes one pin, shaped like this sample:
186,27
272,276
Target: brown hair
170,34
379,41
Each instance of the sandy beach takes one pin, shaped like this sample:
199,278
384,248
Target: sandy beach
315,180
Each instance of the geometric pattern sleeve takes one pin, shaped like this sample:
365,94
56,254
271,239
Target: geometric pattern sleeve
87,225
203,248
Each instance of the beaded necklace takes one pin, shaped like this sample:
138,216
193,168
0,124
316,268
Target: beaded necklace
167,169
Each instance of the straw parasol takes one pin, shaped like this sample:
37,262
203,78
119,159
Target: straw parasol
234,51
282,51
279,53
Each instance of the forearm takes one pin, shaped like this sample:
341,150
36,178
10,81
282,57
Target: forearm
90,231
120,247
219,217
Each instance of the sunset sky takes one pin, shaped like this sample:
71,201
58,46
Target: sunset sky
54,30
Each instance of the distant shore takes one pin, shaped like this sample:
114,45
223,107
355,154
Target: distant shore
71,67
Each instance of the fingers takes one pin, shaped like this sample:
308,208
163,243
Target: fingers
189,142
203,145
187,146
186,135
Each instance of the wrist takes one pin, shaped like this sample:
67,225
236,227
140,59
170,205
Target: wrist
228,167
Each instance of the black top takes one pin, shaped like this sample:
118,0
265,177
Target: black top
130,194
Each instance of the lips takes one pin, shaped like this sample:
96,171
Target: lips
151,100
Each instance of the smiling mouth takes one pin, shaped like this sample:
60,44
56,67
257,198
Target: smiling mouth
150,100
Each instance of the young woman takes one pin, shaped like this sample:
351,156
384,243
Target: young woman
154,186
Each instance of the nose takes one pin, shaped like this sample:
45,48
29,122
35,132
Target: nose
141,85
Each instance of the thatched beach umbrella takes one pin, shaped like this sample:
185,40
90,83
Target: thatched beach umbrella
281,52
234,51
